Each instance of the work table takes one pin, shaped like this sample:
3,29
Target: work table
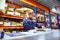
42,35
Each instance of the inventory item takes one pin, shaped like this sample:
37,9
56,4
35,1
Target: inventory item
10,13
22,14
21,24
13,23
17,14
11,9
18,24
1,23
7,23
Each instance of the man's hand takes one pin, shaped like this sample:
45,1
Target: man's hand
36,28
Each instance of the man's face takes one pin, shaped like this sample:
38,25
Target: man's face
31,15
34,19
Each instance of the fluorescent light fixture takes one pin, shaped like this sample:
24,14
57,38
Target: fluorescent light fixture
54,10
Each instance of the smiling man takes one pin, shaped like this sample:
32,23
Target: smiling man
29,23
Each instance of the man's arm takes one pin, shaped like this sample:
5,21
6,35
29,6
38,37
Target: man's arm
26,24
35,24
36,28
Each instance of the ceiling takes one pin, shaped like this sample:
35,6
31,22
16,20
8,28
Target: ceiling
47,3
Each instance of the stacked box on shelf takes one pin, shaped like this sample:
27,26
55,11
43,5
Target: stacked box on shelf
7,23
17,14
22,14
13,23
10,11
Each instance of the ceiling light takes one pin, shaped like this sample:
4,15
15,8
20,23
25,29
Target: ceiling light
54,10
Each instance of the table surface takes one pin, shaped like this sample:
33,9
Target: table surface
48,35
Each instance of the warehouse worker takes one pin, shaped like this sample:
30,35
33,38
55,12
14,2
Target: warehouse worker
39,23
28,22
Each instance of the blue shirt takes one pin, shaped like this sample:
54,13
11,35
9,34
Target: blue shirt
28,25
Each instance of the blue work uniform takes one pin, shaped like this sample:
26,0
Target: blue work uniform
28,25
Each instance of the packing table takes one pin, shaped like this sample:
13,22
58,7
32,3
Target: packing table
40,35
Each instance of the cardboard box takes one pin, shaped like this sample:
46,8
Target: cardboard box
18,24
13,23
22,14
10,13
11,9
1,23
7,24
17,14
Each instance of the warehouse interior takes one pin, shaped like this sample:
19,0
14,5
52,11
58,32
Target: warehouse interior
13,12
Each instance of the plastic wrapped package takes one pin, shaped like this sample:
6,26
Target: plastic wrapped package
10,13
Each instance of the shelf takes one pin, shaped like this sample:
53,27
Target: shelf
11,27
10,16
